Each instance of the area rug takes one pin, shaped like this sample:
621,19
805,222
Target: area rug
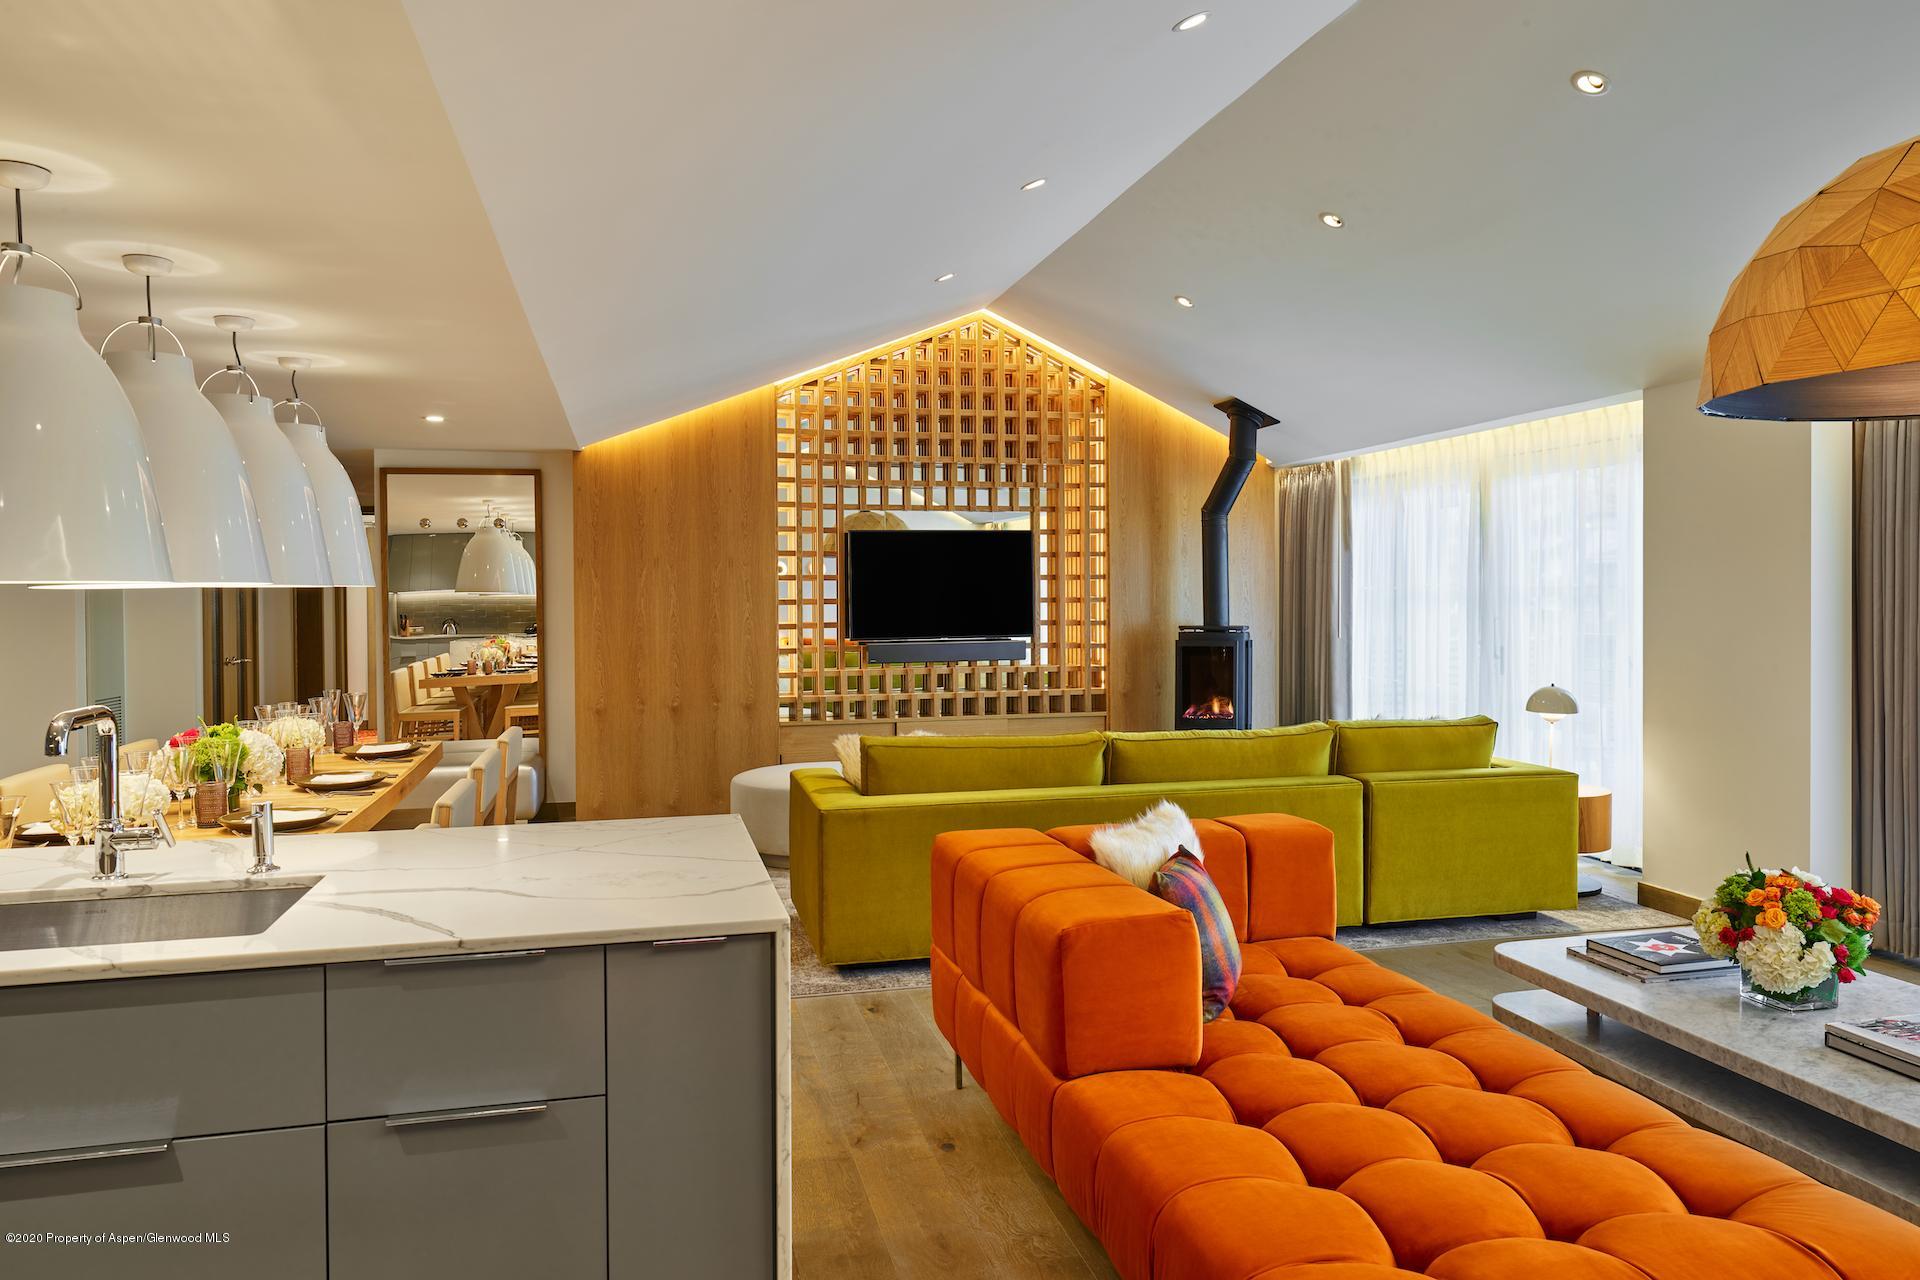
1606,910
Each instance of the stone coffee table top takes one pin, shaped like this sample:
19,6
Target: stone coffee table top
1705,1017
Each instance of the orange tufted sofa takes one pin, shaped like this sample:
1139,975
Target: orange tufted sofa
1345,1123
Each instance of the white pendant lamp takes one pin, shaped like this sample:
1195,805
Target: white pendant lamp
282,492
340,523
487,564
206,508
77,504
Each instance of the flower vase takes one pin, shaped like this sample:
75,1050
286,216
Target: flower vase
1824,994
209,803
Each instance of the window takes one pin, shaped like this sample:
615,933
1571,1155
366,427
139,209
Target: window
1487,565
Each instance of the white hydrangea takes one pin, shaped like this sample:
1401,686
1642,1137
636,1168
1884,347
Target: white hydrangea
143,799
265,759
1778,960
297,731
1708,921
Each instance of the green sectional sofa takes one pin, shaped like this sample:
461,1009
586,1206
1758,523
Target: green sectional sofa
1426,823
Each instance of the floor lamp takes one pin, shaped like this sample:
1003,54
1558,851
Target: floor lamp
1554,704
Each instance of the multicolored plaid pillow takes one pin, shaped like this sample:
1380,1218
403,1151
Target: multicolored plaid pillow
1183,881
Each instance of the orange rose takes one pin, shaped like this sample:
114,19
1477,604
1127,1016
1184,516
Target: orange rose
1774,918
1755,897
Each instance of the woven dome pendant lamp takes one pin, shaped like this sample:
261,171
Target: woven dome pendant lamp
1824,323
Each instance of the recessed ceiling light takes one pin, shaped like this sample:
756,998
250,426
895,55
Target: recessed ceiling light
1191,21
436,417
1183,299
1035,185
943,279
1333,220
1591,83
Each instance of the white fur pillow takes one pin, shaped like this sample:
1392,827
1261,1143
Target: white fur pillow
847,748
1134,850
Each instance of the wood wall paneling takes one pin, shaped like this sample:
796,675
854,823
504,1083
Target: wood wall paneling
674,610
1160,465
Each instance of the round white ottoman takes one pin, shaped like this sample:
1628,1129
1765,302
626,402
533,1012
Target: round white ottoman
759,796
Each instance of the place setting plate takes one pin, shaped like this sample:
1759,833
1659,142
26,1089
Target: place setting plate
344,780
381,750
38,833
240,821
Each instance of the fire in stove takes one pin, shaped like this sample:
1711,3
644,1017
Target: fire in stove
1214,708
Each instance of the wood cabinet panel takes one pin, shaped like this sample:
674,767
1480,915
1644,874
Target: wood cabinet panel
674,611
1160,465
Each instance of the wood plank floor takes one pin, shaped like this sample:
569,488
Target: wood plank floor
898,1175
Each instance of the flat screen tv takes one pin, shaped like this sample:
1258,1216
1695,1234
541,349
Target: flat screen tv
937,585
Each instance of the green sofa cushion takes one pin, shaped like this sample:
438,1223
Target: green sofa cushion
1205,755
916,766
1394,746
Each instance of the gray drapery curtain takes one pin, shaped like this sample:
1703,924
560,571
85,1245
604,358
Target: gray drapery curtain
1886,676
1314,578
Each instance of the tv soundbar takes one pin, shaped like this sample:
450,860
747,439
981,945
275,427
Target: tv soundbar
948,650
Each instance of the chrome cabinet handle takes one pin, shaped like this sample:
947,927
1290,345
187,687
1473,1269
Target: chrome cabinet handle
398,961
689,942
472,1113
70,1154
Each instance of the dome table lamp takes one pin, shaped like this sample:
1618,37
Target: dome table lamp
1552,704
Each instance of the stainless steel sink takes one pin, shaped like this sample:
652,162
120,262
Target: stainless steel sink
95,922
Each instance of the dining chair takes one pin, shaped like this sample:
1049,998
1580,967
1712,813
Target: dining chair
513,748
484,774
415,722
455,807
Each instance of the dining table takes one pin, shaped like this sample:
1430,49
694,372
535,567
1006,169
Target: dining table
357,810
484,697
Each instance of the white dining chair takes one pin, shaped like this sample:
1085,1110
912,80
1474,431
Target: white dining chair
484,774
455,808
513,749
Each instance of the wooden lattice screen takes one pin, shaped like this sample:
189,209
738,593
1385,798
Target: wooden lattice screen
971,416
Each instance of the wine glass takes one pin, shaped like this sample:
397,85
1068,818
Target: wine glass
10,807
76,808
357,708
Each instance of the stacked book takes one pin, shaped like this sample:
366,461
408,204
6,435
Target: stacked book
1664,955
1893,1043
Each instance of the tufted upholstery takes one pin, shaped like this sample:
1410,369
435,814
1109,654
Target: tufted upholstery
1342,1122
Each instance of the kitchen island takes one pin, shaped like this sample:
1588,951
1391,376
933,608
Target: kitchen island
556,1049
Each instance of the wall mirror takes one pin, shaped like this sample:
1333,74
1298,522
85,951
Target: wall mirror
461,603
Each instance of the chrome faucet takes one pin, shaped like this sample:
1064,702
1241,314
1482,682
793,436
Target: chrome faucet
111,834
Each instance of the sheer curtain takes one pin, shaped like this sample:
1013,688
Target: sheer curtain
1487,565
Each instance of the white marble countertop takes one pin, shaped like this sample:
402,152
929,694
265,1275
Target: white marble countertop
1706,1017
394,893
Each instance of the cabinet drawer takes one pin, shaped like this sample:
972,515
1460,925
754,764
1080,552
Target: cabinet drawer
690,1108
265,1193
507,1194
86,1063
464,1031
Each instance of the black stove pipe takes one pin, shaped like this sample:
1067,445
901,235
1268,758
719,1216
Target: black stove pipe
1243,438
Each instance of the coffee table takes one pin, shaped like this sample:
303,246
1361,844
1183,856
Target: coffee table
1763,1077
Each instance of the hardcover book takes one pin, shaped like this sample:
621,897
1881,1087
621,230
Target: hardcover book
1893,1043
1662,951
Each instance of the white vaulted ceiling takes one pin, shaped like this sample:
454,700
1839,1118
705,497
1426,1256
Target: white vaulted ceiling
698,198
294,160
552,223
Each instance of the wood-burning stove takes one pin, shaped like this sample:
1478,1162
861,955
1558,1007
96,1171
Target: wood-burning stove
1213,662
1211,675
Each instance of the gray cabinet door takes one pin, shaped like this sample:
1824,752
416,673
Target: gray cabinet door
690,1109
88,1063
509,1195
445,570
400,563
464,1031
239,1207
